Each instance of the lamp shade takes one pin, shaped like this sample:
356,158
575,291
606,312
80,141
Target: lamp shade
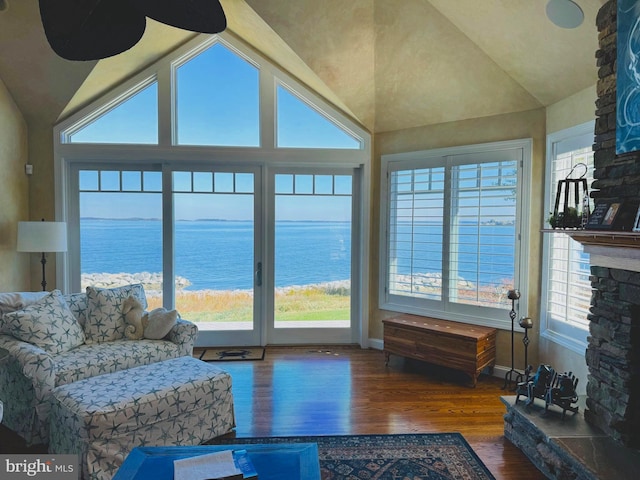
42,237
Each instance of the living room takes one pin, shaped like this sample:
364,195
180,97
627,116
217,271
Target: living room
374,67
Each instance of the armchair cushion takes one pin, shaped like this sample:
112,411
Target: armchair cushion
104,319
47,323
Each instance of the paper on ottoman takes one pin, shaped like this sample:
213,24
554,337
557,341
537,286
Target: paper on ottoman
182,401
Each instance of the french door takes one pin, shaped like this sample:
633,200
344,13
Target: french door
217,243
251,255
311,227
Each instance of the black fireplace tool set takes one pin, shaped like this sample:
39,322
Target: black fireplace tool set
552,387
546,384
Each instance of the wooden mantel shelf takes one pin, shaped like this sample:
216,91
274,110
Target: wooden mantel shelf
605,238
608,248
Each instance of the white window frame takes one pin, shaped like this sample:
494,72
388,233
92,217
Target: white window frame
556,330
498,317
166,152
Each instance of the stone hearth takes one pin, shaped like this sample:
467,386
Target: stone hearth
569,449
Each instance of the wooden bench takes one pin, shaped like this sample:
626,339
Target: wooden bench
460,346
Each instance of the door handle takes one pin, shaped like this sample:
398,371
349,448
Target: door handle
259,274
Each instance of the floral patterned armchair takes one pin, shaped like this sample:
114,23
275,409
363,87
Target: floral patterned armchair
56,339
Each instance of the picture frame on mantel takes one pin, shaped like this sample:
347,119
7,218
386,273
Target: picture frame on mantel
604,215
615,215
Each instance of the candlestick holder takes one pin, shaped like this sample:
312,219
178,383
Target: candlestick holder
513,374
527,324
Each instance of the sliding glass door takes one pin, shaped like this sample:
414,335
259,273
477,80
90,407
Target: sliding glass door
250,258
312,257
216,239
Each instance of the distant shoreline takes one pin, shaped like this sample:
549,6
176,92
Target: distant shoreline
152,283
237,220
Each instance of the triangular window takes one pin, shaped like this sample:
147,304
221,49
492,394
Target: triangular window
133,121
301,126
218,100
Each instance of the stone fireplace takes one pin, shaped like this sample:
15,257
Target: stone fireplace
613,353
613,389
603,442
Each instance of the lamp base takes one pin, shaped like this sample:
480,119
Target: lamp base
43,261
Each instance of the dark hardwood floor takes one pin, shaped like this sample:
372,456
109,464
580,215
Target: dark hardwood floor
347,390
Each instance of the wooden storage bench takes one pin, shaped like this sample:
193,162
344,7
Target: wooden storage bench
464,347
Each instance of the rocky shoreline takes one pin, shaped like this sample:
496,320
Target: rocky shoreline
152,283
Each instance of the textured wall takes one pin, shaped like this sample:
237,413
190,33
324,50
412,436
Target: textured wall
14,272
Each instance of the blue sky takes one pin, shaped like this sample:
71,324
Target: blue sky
217,104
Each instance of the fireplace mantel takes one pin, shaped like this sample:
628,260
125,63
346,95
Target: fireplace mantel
608,248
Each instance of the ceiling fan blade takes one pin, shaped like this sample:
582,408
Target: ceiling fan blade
91,29
204,16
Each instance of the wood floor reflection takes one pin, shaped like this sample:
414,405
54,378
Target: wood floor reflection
347,390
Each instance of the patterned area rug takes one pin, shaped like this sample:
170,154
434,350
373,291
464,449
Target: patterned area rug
214,354
437,456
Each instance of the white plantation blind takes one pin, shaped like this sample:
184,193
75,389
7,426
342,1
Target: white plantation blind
416,232
567,296
452,232
483,232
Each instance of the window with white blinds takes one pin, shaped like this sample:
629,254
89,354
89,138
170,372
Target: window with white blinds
452,241
567,294
416,231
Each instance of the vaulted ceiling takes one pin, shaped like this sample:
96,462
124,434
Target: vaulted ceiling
390,64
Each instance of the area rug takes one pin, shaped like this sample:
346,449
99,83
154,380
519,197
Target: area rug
221,354
437,456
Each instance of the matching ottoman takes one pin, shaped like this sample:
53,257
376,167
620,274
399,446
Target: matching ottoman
182,401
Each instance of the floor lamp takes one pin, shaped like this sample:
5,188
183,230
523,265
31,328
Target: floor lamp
42,237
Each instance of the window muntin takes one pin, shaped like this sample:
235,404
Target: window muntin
132,121
452,244
566,267
217,100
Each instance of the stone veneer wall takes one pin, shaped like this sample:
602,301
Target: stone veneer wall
612,355
613,391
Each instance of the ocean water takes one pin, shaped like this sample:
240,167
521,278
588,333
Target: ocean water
217,254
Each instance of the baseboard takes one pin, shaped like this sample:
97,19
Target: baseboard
499,371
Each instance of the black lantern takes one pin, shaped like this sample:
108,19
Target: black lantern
573,211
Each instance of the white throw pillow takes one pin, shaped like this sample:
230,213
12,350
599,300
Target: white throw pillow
48,324
104,319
